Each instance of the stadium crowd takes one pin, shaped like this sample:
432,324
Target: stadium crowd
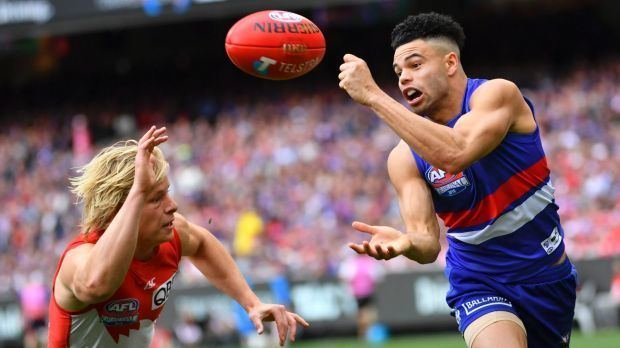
280,181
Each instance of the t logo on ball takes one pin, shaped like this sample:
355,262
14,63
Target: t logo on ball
262,65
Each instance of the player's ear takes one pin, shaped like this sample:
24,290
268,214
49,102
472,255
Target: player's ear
451,61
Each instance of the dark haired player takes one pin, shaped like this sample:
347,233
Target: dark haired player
470,153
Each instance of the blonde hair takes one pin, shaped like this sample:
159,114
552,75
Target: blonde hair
104,183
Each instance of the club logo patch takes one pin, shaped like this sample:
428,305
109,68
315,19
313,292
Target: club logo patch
446,184
552,242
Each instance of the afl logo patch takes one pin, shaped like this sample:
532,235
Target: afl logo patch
120,312
446,184
122,307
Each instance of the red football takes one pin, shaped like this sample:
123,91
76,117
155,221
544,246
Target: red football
275,45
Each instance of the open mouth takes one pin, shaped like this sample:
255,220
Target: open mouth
412,95
168,225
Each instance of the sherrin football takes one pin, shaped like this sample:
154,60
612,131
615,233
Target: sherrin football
275,45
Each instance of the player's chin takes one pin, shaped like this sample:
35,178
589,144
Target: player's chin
166,234
419,109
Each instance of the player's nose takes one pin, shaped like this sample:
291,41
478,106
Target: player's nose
171,206
405,77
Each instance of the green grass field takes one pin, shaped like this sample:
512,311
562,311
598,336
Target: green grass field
602,339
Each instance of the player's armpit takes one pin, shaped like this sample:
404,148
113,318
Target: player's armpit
496,108
416,205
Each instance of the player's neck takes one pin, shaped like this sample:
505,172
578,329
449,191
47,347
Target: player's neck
453,102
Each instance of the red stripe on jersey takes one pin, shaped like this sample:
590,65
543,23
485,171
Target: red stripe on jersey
495,203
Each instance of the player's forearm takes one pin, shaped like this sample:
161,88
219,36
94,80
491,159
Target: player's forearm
439,145
425,247
110,258
219,267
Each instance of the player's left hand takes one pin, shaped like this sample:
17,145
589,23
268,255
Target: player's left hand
356,79
285,321
385,242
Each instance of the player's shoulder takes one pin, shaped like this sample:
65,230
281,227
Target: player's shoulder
400,154
73,256
496,92
187,233
501,84
76,253
180,223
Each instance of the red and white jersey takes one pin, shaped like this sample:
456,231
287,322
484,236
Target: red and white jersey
127,318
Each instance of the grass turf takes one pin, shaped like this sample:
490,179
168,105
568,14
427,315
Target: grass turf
601,339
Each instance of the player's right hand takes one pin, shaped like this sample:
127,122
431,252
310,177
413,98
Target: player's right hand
385,242
286,322
144,177
356,79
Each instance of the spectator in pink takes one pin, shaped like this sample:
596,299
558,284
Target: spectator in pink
362,274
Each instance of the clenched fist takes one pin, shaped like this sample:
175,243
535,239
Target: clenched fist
356,79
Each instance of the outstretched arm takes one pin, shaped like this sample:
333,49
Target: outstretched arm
421,240
212,259
496,108
480,131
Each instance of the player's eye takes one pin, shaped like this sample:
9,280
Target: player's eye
158,199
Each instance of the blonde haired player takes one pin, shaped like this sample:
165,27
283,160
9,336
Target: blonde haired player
113,280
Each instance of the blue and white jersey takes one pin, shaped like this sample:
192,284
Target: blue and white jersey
500,212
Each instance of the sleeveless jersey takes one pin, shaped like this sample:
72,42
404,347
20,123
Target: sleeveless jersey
500,212
127,318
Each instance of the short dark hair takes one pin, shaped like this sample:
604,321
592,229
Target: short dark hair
428,26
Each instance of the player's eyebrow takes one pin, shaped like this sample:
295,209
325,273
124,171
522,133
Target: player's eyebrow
412,55
162,191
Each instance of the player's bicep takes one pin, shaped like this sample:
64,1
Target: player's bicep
414,196
69,293
492,114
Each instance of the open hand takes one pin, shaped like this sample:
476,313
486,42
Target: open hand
285,321
144,178
385,242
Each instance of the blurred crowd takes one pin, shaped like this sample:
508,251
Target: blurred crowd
280,180
580,119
